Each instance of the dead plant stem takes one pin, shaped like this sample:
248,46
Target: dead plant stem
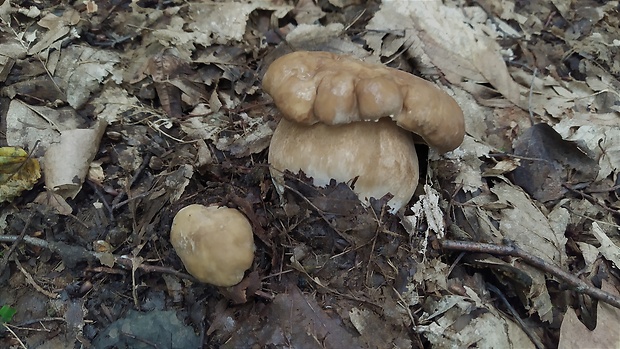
537,262
20,237
125,262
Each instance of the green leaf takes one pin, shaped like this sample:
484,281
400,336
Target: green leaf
6,313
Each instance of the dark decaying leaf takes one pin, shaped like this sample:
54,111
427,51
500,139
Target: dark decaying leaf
549,162
157,329
241,292
293,320
163,68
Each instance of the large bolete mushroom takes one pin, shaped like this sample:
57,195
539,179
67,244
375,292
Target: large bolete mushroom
215,244
343,118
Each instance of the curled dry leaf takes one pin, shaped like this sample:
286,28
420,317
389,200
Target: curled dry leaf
67,162
600,134
165,67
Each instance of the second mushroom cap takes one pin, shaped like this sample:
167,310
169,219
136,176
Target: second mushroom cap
215,244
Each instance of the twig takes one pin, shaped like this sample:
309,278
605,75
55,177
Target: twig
137,174
31,281
134,288
14,335
125,262
400,52
405,305
591,199
603,190
529,100
102,197
359,15
514,251
533,337
142,340
34,321
455,263
128,263
20,237
125,202
507,155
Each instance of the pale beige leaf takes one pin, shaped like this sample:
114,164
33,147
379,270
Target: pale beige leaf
608,249
574,334
467,322
67,162
528,227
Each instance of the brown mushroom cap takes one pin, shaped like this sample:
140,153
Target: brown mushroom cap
312,87
216,244
382,154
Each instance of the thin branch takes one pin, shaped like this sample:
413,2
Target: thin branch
103,199
514,251
31,281
15,335
528,331
34,321
591,199
20,237
529,99
125,262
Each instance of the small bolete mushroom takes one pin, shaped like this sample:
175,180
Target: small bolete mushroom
215,244
327,102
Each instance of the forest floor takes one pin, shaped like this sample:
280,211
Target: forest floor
136,109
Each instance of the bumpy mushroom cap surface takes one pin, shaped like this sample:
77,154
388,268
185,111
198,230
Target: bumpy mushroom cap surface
322,87
215,244
382,155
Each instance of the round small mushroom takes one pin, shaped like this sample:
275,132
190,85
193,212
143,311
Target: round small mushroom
215,244
343,118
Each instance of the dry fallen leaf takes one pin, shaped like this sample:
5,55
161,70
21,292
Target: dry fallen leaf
466,322
225,22
18,172
83,71
255,138
600,134
426,209
67,162
165,67
459,43
608,248
549,162
28,124
574,334
59,27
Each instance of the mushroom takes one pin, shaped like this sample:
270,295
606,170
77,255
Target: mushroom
327,102
215,244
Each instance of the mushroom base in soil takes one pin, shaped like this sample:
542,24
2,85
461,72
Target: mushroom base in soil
380,154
